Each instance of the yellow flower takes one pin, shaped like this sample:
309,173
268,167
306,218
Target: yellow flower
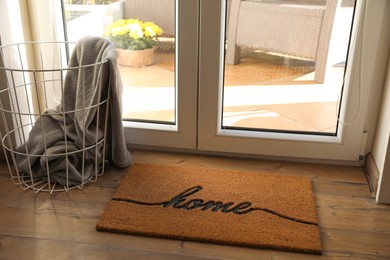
115,31
136,31
132,21
152,29
133,34
120,22
149,32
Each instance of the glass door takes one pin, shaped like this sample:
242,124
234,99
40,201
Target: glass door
246,77
280,84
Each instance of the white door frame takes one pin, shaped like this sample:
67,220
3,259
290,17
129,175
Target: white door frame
183,134
201,134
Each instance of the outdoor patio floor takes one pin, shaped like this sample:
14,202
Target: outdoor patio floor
277,93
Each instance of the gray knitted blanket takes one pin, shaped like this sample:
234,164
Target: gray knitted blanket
75,125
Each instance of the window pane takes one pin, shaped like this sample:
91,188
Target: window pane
144,33
285,63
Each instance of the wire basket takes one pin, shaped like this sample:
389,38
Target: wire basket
55,136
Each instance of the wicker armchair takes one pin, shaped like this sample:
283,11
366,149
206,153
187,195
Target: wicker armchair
161,12
296,28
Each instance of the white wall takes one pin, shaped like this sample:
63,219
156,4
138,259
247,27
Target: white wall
380,150
381,144
383,129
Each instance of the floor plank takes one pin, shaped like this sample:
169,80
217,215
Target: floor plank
62,225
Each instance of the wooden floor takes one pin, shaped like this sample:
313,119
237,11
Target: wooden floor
62,226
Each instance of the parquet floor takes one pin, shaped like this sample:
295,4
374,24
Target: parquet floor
62,226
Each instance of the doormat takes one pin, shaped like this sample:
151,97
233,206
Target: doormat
216,206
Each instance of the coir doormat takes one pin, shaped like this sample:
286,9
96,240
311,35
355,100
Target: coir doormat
218,206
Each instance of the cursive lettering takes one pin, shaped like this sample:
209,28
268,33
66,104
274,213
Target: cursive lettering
182,201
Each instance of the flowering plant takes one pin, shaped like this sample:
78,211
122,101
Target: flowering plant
133,34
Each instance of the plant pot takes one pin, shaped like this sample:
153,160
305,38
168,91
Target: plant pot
137,58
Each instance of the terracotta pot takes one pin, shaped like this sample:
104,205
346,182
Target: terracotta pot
138,58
